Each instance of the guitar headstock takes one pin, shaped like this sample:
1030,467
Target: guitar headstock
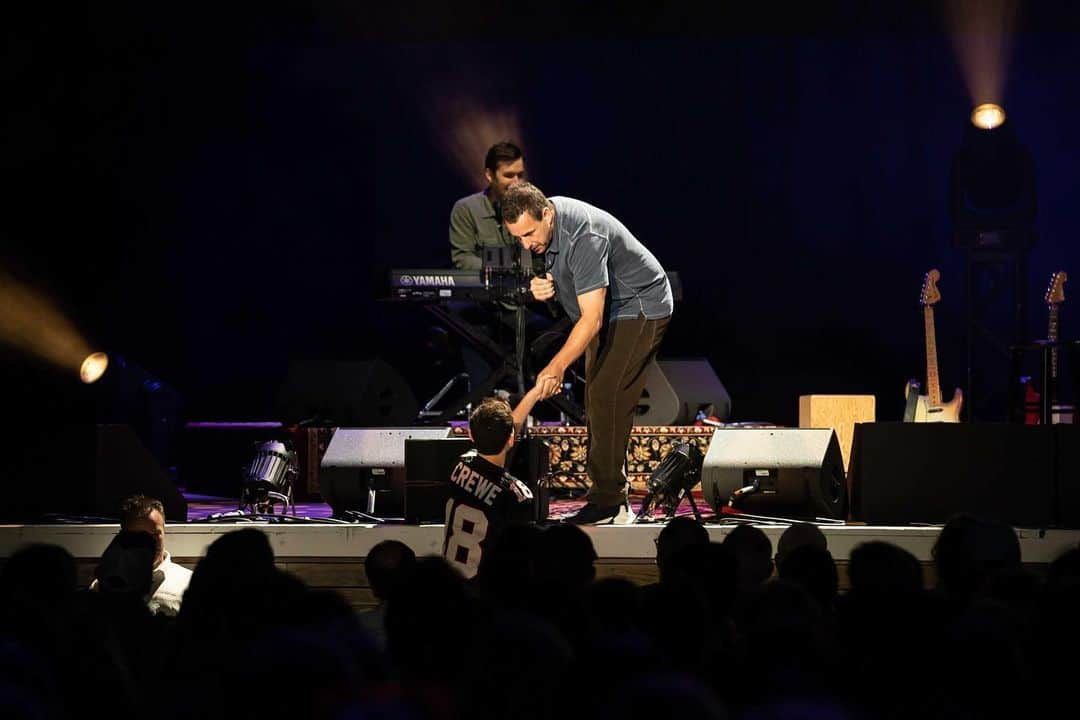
1055,293
930,293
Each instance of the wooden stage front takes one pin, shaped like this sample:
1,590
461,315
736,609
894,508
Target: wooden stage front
331,556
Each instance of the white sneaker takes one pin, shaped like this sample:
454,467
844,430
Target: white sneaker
626,516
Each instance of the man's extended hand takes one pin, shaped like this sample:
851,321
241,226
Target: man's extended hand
542,288
550,381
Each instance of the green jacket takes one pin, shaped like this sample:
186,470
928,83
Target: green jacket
474,225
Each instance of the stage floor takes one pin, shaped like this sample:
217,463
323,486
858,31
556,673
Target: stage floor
314,535
331,555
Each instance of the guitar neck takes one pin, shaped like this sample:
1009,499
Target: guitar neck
933,386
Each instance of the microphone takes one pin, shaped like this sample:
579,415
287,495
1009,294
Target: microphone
552,304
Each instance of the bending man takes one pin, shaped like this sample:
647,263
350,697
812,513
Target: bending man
620,300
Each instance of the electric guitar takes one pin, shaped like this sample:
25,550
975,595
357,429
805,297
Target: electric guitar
1055,296
930,407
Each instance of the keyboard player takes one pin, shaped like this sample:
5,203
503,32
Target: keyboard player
476,224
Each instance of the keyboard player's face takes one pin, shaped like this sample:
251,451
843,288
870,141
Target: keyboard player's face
534,235
505,175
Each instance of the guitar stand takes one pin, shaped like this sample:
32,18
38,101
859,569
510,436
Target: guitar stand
1049,395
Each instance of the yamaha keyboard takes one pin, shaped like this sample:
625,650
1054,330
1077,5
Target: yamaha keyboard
438,284
435,284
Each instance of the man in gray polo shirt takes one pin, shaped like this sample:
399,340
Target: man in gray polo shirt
475,222
620,300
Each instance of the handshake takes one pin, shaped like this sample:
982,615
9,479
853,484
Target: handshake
549,382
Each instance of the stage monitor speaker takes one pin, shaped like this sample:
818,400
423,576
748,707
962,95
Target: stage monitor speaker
675,390
903,473
1067,476
360,394
357,459
81,471
797,472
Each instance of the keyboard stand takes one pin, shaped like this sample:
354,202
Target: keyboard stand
508,365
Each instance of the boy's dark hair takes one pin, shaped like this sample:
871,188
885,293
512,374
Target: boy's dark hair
491,425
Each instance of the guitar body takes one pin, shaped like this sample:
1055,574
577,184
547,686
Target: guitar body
931,407
946,412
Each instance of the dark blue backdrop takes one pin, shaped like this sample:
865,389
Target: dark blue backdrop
215,193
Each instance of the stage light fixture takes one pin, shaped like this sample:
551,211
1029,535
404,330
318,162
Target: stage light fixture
268,480
673,480
988,116
93,367
992,186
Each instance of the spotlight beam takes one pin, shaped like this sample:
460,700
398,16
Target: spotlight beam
981,32
33,324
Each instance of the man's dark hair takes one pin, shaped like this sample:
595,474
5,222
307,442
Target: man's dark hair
753,555
501,152
385,563
797,535
137,507
491,425
521,198
679,533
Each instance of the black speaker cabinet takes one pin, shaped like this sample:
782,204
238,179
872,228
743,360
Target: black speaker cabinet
1067,475
81,470
906,473
359,459
794,472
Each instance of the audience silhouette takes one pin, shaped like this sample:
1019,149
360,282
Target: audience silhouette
538,634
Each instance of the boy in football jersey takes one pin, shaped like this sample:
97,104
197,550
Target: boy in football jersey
484,498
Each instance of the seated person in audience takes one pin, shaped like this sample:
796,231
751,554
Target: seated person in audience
127,565
797,535
168,580
384,565
484,498
679,534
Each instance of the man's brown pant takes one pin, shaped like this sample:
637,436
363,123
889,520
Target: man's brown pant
615,363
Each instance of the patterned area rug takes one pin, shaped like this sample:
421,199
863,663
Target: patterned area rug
568,448
201,507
